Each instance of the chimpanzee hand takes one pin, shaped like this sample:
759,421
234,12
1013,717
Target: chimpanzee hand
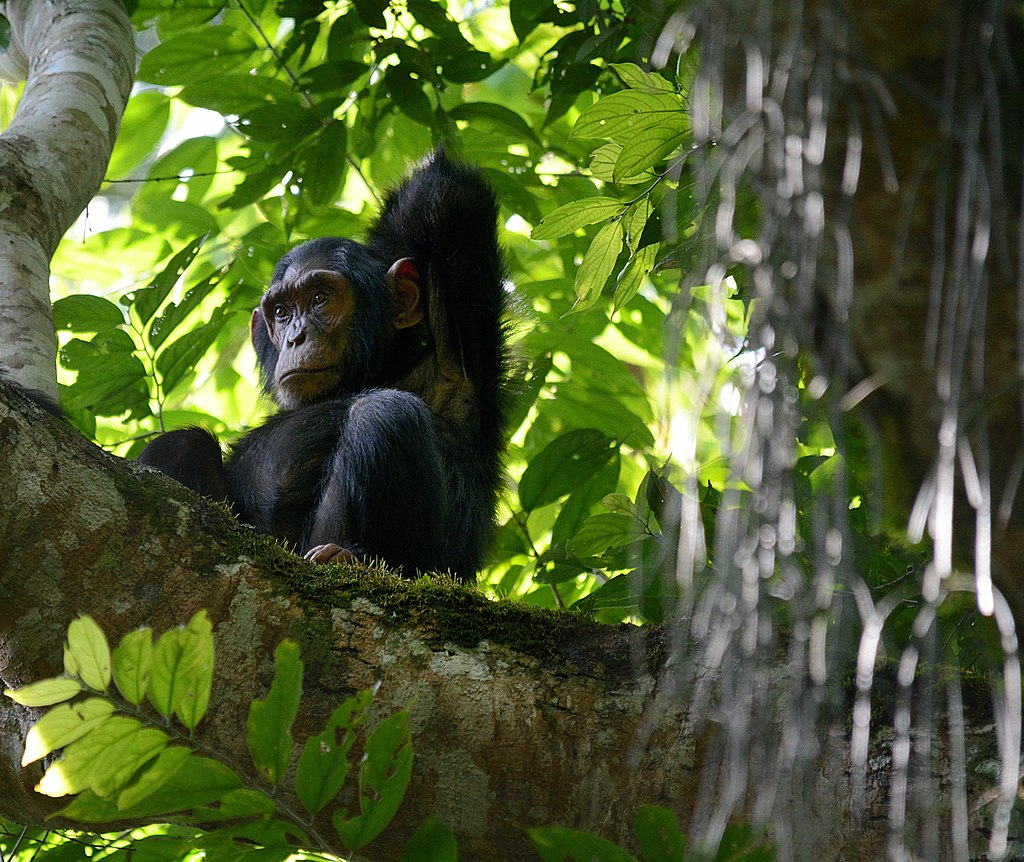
330,553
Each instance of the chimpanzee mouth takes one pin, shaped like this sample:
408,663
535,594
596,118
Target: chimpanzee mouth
299,372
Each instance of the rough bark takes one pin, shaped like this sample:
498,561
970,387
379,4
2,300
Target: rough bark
81,59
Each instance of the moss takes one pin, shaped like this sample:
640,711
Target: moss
443,611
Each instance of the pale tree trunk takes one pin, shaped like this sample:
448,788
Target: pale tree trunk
80,56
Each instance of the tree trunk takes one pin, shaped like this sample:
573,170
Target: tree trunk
80,56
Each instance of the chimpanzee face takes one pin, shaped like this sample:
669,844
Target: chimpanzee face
324,326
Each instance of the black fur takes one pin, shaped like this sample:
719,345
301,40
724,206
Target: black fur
400,460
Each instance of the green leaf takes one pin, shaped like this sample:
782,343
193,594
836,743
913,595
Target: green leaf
104,759
575,78
469,66
276,123
601,532
182,672
146,116
322,166
179,358
372,12
499,115
636,220
132,662
175,312
46,692
236,94
575,215
147,300
383,780
255,185
270,720
617,595
111,378
577,506
324,764
62,725
645,148
621,116
559,844
83,313
196,55
527,14
407,93
597,265
632,276
658,833
602,166
154,776
637,79
564,464
432,842
194,163
198,781
86,653
238,803
556,567
433,16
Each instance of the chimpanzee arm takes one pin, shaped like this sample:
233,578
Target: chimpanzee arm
383,492
191,456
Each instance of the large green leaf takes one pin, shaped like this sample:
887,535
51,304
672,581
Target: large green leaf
175,313
482,113
575,215
111,378
383,780
147,300
622,116
197,55
657,830
646,82
146,115
597,265
104,759
182,671
564,464
87,654
197,781
45,692
132,663
432,842
601,532
270,719
62,725
559,844
322,166
84,313
237,94
180,356
324,763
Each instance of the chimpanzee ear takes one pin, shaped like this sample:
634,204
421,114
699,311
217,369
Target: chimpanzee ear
257,325
404,281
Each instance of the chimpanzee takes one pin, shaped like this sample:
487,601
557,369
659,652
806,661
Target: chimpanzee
388,363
